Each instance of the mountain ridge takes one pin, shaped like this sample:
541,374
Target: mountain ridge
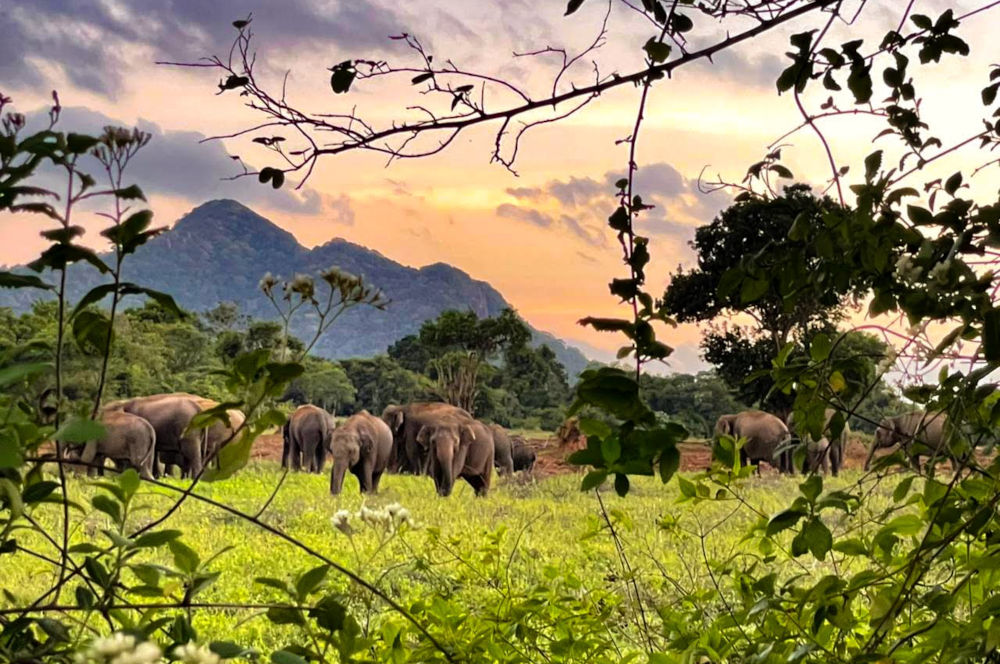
219,251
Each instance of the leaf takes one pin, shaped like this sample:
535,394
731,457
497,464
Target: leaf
156,538
820,348
657,50
18,372
185,558
285,615
341,80
989,94
228,650
572,6
79,430
621,484
92,331
39,491
310,580
129,193
670,462
781,171
783,521
593,479
991,335
110,507
420,78
607,324
13,280
611,450
812,487
285,657
94,295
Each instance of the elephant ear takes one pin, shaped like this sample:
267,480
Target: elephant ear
468,431
423,436
397,421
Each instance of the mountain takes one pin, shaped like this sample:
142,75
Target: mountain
219,251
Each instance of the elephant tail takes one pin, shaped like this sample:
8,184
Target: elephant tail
147,460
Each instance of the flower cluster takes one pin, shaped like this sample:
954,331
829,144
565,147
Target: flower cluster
939,272
192,653
267,284
120,648
907,269
390,518
303,286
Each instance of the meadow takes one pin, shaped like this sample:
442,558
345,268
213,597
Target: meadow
534,567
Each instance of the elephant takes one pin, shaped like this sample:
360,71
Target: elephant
362,444
522,454
129,441
218,433
306,436
170,416
764,434
405,421
457,446
823,453
502,450
929,431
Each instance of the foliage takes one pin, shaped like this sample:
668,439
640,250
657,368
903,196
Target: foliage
695,401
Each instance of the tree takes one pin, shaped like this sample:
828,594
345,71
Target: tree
324,384
747,230
380,381
696,401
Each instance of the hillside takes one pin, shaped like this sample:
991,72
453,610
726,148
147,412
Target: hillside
219,251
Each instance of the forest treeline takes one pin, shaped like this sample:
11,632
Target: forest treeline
485,365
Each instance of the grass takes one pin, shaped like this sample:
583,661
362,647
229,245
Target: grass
478,554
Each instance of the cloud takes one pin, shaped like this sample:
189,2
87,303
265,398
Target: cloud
175,163
341,209
509,211
94,41
585,204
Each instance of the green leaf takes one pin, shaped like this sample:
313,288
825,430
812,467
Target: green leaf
91,331
285,615
611,449
79,430
80,143
783,521
17,372
285,657
156,538
130,193
229,650
812,487
185,558
110,507
310,580
39,491
94,295
820,348
817,537
670,461
593,479
621,484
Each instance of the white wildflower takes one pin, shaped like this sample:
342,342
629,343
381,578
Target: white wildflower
267,283
304,285
119,648
939,272
907,269
342,522
192,653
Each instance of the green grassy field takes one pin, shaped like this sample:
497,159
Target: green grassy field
528,544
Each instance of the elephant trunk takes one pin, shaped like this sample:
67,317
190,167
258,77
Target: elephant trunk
871,454
337,475
442,468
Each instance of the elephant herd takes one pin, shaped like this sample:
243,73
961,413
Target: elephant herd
426,438
768,439
152,435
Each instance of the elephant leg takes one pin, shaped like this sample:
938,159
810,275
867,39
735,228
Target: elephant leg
376,477
365,479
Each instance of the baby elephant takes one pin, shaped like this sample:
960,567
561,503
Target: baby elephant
129,441
522,453
362,444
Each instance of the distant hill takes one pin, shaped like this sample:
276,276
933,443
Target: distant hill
219,251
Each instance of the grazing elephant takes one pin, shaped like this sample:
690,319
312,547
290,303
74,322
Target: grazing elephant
129,441
362,444
407,455
502,450
307,435
170,416
823,453
456,446
918,433
764,434
523,455
219,433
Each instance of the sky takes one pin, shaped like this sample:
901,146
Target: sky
539,236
